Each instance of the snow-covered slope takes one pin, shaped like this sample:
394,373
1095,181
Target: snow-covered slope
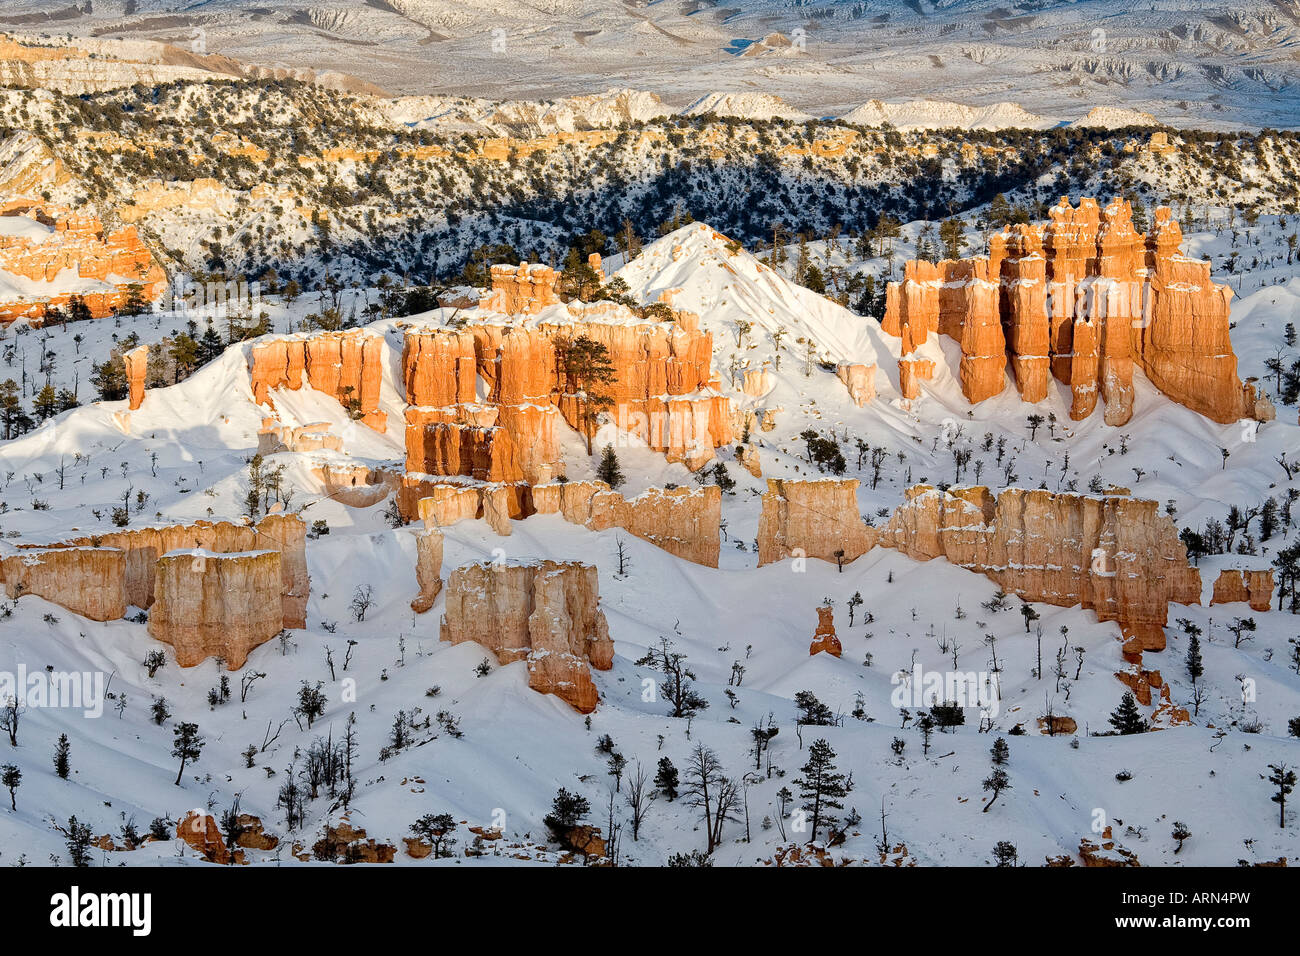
745,630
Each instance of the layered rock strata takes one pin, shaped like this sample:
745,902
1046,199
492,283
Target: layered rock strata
211,604
87,580
347,366
545,613
1252,587
812,519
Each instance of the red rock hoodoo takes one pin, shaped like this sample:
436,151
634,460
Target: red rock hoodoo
824,639
545,613
1085,298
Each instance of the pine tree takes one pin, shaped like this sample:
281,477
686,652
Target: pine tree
608,470
1194,666
1126,718
1000,752
61,752
995,783
11,777
666,779
1284,780
46,403
822,786
187,745
77,837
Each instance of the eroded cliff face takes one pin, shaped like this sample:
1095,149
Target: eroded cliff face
812,519
546,613
682,521
78,248
663,388
1253,587
347,365
1117,555
210,604
1086,298
142,547
89,581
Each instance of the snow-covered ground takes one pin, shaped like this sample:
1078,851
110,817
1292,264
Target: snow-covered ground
186,449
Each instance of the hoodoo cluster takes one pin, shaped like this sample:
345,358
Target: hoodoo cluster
1083,298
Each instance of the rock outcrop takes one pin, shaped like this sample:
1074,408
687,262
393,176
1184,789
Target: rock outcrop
663,390
200,832
1086,298
72,256
824,639
136,363
90,581
859,379
545,613
428,568
524,289
144,546
211,604
682,521
813,519
1254,587
348,366
1117,555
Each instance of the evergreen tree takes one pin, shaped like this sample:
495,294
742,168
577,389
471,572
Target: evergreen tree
1194,666
1284,780
46,403
77,837
187,745
608,470
587,369
1000,752
11,777
666,779
61,752
822,786
1126,718
109,379
995,783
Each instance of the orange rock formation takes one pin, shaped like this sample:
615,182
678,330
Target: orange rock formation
210,604
682,521
144,546
136,363
346,365
524,289
824,638
545,613
88,581
1086,298
78,249
859,379
428,568
1255,587
1117,555
812,519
